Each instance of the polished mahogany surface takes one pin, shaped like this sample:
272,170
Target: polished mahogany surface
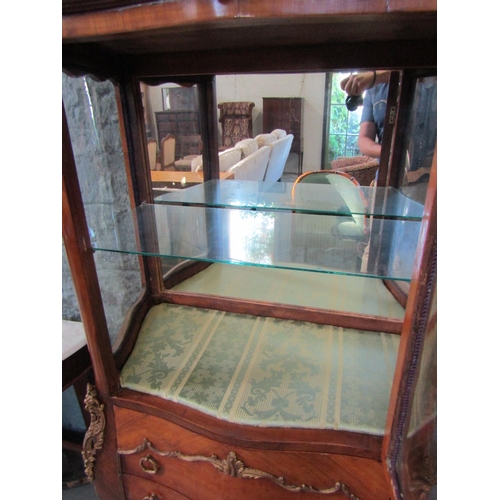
323,34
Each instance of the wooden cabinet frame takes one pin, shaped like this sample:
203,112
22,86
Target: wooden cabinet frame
150,41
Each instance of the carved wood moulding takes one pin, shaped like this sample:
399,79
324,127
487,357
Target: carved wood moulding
94,437
230,466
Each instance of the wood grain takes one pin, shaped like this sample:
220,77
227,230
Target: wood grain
310,440
320,471
284,311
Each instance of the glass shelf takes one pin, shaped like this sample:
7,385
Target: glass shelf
278,239
304,198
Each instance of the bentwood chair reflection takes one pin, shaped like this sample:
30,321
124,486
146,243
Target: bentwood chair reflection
334,241
345,186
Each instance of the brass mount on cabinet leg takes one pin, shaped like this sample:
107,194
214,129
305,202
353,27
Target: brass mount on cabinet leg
94,437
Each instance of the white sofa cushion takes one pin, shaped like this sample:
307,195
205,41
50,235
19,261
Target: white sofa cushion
253,167
197,164
247,146
280,150
265,139
227,159
279,133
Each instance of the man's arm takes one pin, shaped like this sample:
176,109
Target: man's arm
358,83
366,140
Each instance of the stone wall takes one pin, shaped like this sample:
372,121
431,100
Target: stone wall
92,115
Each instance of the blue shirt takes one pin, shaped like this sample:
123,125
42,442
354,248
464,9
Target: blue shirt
374,106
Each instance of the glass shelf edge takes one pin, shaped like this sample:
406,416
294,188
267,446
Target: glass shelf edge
252,195
263,266
282,240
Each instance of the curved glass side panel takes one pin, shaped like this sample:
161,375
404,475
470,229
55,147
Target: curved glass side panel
416,462
420,139
92,116
283,240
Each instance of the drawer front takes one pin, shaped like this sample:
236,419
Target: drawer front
203,469
137,488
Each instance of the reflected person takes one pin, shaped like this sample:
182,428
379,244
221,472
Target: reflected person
376,85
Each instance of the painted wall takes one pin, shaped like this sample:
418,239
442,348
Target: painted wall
310,86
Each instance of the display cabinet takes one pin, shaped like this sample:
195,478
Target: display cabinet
178,123
271,354
286,113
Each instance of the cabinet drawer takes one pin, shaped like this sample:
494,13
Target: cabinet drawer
137,488
201,468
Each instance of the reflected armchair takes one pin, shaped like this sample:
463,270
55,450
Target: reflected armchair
362,168
236,122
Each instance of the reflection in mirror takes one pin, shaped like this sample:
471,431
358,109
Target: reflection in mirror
173,128
311,107
251,105
420,139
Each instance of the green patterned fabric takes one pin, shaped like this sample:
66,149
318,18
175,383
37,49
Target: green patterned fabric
264,371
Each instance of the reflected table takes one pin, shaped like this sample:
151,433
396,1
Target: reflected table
167,181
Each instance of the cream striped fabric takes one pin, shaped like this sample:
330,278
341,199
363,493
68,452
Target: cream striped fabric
328,291
264,371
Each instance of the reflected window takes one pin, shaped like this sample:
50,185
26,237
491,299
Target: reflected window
343,125
255,244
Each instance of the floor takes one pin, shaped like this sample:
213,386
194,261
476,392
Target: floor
291,168
82,492
75,485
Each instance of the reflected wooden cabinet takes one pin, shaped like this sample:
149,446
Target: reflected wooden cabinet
178,123
286,113
180,411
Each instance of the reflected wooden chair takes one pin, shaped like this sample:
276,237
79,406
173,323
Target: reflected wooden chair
167,152
152,153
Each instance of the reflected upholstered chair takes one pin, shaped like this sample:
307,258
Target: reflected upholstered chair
236,122
362,168
167,152
227,159
247,147
252,167
152,153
